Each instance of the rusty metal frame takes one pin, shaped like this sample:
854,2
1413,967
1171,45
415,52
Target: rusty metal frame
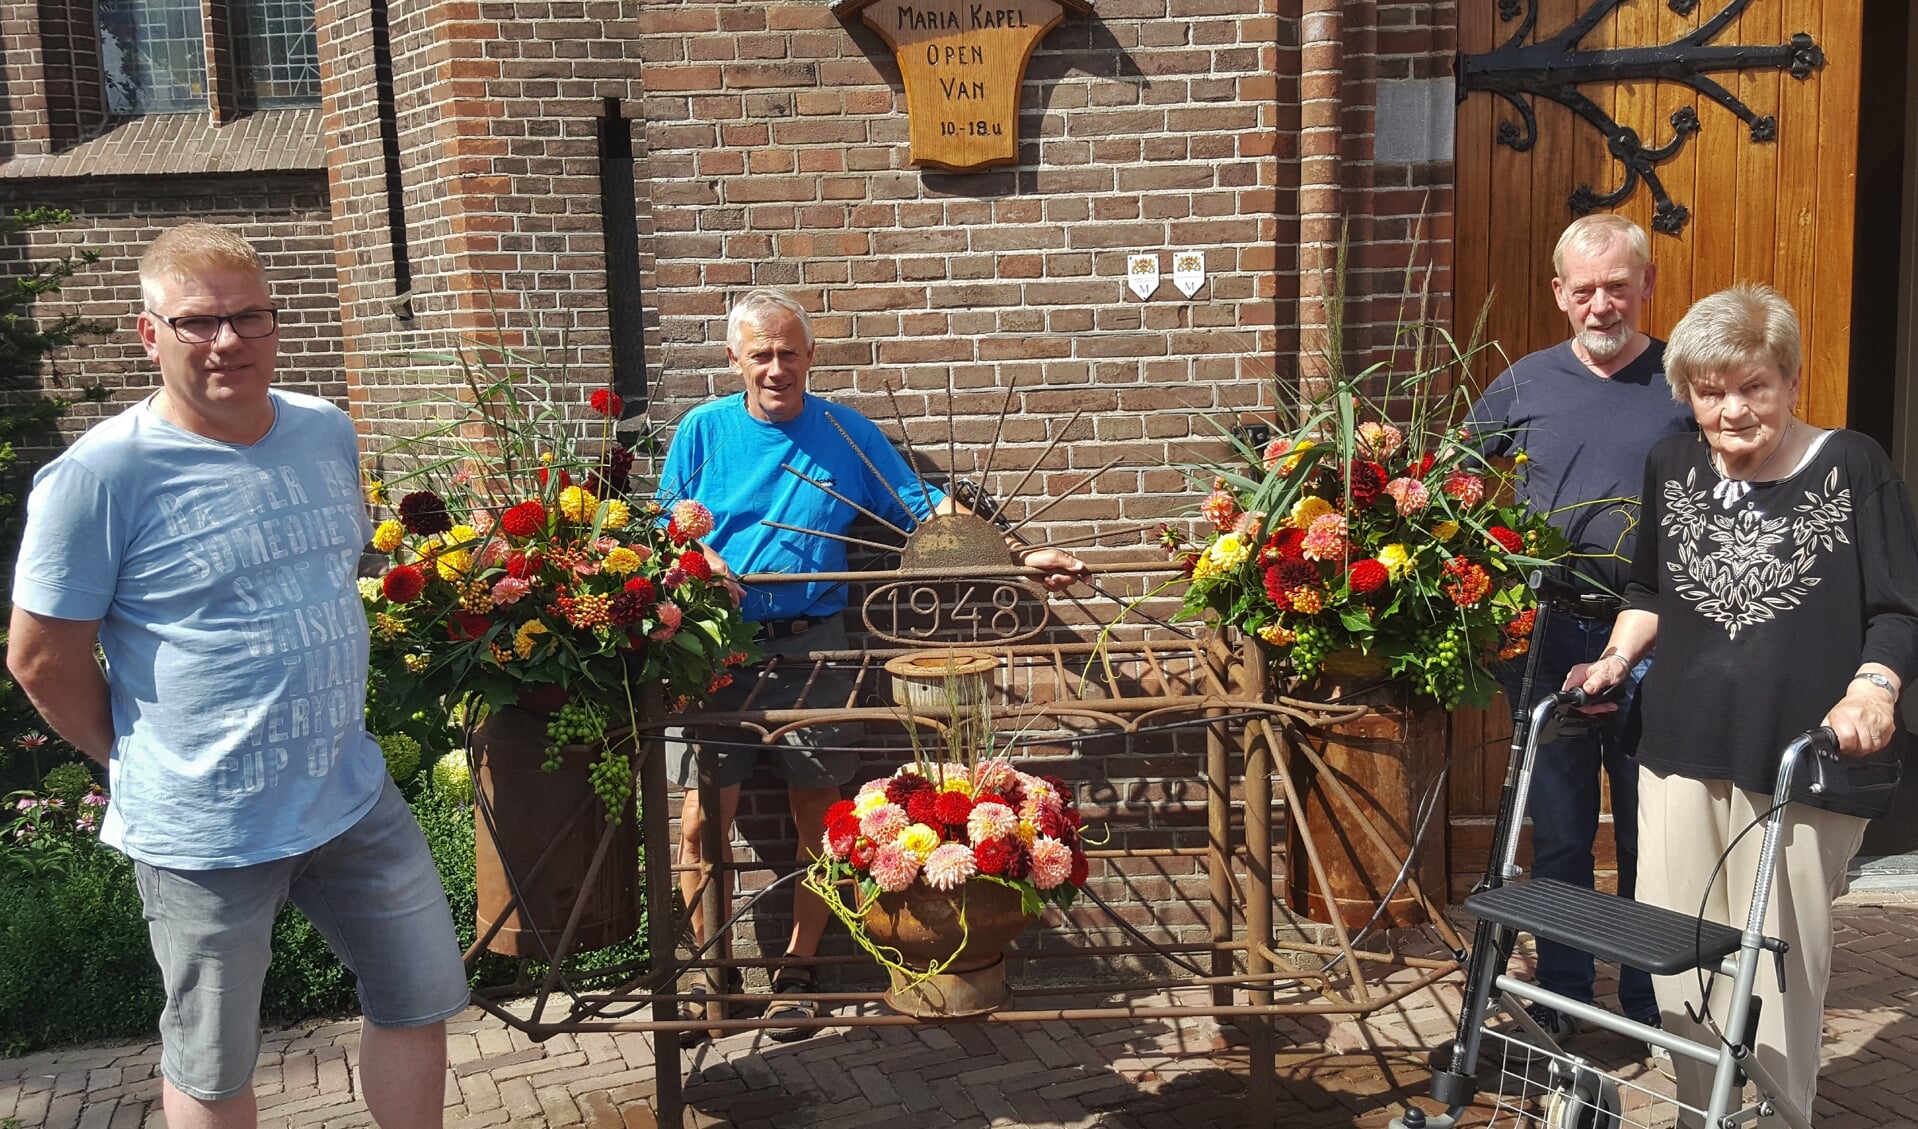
1224,691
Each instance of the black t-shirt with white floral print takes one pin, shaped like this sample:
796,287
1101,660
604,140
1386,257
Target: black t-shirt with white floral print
1768,599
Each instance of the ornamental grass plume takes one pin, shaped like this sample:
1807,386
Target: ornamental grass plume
1393,537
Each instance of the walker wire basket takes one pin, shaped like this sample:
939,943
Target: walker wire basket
1559,1090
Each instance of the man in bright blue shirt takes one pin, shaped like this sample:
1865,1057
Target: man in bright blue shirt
730,455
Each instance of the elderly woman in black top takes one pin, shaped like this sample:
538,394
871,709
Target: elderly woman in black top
1777,574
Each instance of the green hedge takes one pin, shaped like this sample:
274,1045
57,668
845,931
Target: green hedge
75,966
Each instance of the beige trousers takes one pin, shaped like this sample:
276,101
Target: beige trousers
1684,826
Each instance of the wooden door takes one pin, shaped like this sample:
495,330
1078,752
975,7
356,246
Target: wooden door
1778,211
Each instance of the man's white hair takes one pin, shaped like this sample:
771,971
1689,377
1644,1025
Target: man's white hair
755,305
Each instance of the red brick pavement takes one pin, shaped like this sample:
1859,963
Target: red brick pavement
1111,1074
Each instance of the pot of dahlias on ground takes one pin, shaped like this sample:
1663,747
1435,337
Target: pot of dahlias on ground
535,591
1378,564
937,868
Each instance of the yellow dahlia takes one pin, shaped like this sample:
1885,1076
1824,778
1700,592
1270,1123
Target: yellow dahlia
620,561
1309,509
387,537
527,637
578,504
1445,530
1396,559
918,841
618,514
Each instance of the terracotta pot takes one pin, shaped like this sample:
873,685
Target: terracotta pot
926,927
534,810
1383,759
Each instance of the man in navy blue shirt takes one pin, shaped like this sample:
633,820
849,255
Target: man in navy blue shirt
1585,412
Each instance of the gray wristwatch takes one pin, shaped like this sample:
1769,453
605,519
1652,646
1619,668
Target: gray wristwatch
1877,680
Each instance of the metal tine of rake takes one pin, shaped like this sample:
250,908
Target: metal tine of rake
925,494
1027,477
840,428
1063,495
998,433
801,476
881,546
952,438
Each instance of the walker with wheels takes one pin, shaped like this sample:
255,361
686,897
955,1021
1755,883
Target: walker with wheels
1539,1083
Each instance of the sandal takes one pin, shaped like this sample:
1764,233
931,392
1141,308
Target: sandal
785,1005
695,1009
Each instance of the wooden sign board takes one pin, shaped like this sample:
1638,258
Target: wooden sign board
963,62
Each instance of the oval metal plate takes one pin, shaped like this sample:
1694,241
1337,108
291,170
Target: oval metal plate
955,611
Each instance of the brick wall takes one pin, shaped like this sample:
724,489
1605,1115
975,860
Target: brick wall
495,112
775,155
285,217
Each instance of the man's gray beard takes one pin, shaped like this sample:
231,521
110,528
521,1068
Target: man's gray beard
1601,345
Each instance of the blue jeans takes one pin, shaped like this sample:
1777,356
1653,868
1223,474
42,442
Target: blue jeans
1564,800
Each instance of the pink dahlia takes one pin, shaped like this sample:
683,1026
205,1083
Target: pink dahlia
1467,488
1221,509
1409,494
893,868
1380,439
1051,863
949,865
669,617
691,521
507,591
884,823
1325,539
993,776
990,821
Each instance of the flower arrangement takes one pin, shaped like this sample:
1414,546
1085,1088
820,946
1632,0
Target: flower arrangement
1348,532
948,817
526,562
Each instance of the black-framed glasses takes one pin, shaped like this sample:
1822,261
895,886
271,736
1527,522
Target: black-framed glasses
198,329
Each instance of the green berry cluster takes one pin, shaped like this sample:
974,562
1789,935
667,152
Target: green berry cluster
612,777
1310,648
1442,675
575,723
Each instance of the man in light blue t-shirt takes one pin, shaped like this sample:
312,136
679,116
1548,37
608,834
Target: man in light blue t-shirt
731,455
207,539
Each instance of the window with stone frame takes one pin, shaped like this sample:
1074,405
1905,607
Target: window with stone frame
224,57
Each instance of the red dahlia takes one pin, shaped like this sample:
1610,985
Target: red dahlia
524,520
1508,539
841,836
606,402
424,513
1287,544
1276,589
900,788
994,855
520,565
923,807
842,809
404,584
1367,481
1367,575
1297,573
694,564
862,853
1081,869
565,479
1425,464
952,808
640,586
628,608
1018,861
467,626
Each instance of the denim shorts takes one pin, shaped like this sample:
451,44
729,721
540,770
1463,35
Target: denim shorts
816,756
372,892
